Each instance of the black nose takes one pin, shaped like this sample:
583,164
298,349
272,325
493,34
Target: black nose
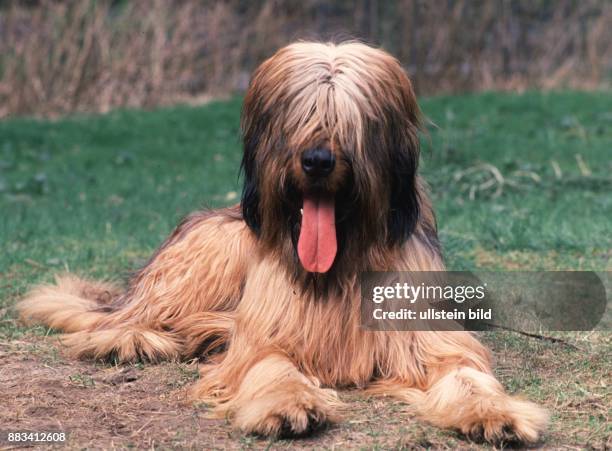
318,162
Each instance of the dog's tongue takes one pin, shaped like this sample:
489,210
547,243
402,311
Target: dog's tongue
317,243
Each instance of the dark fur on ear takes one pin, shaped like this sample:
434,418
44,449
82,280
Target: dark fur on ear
404,202
250,202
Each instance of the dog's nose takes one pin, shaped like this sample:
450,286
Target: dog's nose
318,162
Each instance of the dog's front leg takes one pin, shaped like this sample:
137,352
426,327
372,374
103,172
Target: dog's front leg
456,389
275,399
475,403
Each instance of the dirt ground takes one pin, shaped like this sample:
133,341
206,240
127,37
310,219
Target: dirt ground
145,406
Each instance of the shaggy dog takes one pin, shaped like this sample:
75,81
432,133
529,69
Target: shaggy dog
267,293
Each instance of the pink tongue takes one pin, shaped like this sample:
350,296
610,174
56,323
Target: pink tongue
317,243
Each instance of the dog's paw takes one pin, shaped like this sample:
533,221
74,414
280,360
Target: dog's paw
518,421
295,409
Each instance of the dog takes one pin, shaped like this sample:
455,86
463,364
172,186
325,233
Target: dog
267,293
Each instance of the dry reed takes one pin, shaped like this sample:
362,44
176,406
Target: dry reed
65,56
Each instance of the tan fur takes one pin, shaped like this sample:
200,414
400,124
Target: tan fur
199,269
277,340
69,298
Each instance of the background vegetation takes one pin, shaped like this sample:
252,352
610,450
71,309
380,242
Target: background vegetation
94,55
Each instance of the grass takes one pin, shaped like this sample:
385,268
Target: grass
518,182
562,221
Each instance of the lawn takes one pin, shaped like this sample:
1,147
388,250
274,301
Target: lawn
518,182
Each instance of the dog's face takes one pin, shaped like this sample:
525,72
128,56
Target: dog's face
330,154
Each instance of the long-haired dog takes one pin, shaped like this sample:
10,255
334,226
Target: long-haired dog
268,293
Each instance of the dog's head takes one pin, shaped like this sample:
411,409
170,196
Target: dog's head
330,154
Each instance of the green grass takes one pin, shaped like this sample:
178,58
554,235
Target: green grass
562,221
96,194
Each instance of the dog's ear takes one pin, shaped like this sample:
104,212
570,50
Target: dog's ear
252,131
404,199
250,195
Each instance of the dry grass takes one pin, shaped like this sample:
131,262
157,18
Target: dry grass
64,56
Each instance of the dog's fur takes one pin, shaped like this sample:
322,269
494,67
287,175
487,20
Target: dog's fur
227,286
